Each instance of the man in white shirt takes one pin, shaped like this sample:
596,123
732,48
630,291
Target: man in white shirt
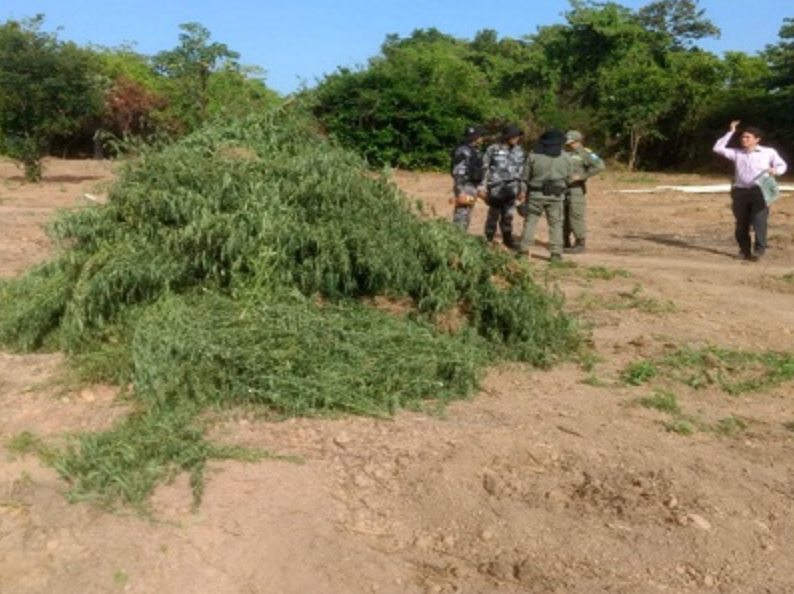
750,209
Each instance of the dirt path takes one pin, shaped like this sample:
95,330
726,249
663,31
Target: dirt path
547,482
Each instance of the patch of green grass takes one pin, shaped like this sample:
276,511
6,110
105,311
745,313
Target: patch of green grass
682,423
730,426
789,278
663,401
561,269
605,273
23,443
143,450
734,372
588,358
640,372
120,578
593,380
26,443
628,300
634,299
569,268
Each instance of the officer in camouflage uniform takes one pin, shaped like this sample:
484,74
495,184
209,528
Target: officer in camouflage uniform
586,164
502,185
467,174
547,172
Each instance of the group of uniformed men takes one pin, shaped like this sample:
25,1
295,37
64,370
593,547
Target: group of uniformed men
550,180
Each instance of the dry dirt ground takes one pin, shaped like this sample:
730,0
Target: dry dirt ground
546,482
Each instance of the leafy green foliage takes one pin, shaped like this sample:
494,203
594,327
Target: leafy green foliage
635,81
677,22
47,88
243,265
640,372
34,304
134,97
780,57
131,109
125,464
189,68
631,79
409,106
296,357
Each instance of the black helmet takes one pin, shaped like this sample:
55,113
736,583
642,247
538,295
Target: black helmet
472,132
511,131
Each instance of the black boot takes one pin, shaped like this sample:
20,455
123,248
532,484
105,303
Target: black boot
509,242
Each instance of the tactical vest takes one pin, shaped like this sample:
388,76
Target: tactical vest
548,175
467,164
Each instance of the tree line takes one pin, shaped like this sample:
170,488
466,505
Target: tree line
635,81
59,98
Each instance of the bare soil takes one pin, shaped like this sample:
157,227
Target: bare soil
546,482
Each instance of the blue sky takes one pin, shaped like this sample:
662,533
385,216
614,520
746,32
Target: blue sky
299,41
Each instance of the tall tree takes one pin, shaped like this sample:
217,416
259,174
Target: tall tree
781,84
47,89
628,70
189,67
678,23
635,96
411,103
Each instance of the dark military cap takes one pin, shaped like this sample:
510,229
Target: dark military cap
473,132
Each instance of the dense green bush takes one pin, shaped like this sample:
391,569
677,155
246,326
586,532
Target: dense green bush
47,87
409,107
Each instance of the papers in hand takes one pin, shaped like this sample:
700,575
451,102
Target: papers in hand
769,187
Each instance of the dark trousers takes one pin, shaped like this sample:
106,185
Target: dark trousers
750,211
500,215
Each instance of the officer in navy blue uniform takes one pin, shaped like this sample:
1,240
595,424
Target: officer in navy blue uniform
502,185
467,174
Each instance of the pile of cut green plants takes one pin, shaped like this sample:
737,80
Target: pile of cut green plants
247,265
